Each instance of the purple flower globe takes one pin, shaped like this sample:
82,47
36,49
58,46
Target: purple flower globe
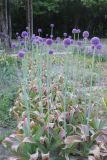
19,38
25,50
39,30
40,39
47,35
74,31
58,39
79,43
70,37
65,34
85,34
13,45
21,54
89,50
78,31
95,41
17,33
99,46
36,41
22,43
67,41
52,25
33,37
24,34
27,28
43,39
72,41
49,41
51,52
51,36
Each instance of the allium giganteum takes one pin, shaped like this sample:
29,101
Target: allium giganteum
56,95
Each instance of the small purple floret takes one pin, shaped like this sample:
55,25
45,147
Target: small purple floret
78,31
79,43
22,43
95,41
39,30
85,34
21,54
74,31
49,41
33,37
67,41
24,34
51,52
52,25
65,34
99,46
13,45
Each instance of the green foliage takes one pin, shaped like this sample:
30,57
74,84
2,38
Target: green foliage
66,14
41,7
94,2
8,88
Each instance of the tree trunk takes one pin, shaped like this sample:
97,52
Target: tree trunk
5,21
9,21
29,9
2,19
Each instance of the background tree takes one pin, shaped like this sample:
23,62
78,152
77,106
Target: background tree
29,10
5,20
65,14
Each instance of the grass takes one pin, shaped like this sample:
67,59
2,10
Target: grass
8,88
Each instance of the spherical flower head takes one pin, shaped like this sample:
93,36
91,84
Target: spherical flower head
40,39
99,46
33,37
49,41
19,38
74,31
79,43
52,25
24,34
85,34
51,52
39,30
58,39
17,33
27,28
22,43
25,50
51,36
44,39
89,50
21,54
95,41
67,41
65,34
70,37
72,41
36,41
47,35
13,45
78,31
36,37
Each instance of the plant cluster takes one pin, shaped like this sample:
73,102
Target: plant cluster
58,114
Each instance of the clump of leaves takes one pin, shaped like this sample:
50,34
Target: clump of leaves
48,136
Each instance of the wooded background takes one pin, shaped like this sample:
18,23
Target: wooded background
89,15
